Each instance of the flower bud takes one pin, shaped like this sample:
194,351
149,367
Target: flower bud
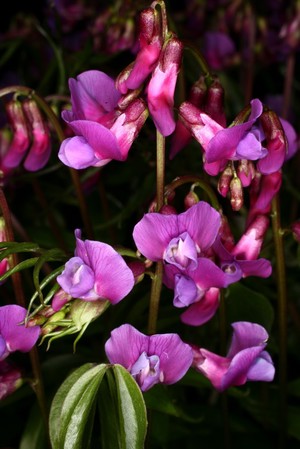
245,171
295,228
276,143
214,104
225,181
167,209
60,299
21,137
138,269
150,42
84,312
190,199
236,194
40,148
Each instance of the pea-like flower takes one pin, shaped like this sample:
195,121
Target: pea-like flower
246,359
102,131
178,239
96,272
14,334
159,358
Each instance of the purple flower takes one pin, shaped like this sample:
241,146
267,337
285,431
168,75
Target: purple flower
15,336
246,358
96,272
102,132
178,239
160,358
202,311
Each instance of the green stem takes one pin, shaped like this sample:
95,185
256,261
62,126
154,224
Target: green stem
160,170
201,60
223,346
160,188
197,182
155,297
282,318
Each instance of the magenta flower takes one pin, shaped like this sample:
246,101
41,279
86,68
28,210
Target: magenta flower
235,263
178,239
96,272
202,311
102,132
14,335
246,359
160,358
191,284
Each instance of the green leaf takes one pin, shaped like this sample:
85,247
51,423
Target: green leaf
72,405
132,409
20,266
244,304
123,415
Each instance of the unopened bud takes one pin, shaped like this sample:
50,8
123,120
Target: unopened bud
40,148
236,194
138,269
245,171
214,105
276,143
190,199
21,137
295,228
60,299
198,92
171,54
224,182
167,209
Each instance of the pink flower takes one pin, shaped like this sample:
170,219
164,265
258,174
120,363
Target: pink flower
103,132
14,335
178,239
246,359
96,272
160,358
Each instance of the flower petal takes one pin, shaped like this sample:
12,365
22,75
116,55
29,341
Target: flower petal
246,335
175,356
202,222
202,311
153,233
113,278
125,345
17,336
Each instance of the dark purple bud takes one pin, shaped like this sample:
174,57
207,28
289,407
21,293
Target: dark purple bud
214,105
